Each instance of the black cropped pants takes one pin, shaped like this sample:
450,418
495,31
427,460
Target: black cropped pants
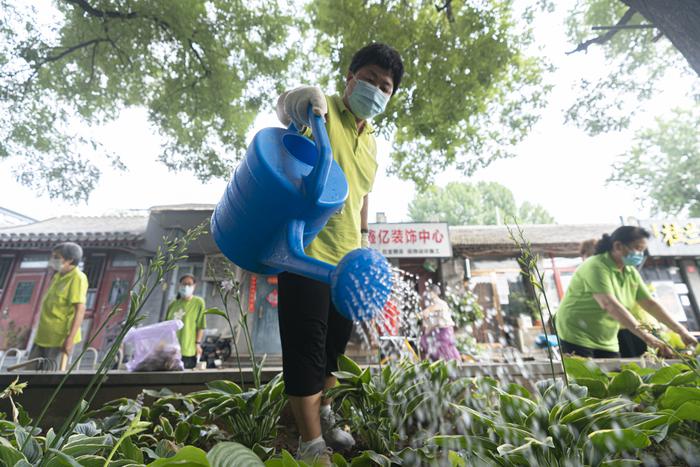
312,332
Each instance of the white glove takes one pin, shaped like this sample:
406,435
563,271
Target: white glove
364,243
292,106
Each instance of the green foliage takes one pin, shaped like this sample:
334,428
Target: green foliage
470,92
483,203
202,69
663,165
231,454
636,62
464,307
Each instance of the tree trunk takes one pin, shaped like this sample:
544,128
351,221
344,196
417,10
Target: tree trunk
679,20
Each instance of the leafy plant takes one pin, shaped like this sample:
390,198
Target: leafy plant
464,307
528,261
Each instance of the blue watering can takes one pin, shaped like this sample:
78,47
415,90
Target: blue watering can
280,197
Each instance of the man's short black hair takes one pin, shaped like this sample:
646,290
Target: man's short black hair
382,55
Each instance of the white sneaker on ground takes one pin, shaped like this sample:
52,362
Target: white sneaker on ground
335,437
316,453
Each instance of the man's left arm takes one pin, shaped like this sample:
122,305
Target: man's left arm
364,223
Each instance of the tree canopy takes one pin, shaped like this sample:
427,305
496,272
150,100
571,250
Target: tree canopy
204,69
663,165
482,203
638,56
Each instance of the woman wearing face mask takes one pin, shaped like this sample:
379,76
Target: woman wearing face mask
63,306
189,309
602,291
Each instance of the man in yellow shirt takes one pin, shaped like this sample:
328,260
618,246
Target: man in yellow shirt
312,332
63,306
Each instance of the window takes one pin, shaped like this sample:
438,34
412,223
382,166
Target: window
93,270
5,265
118,291
23,293
123,260
35,261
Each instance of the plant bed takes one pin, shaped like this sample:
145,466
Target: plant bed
403,414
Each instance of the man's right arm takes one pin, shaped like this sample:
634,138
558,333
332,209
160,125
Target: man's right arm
609,303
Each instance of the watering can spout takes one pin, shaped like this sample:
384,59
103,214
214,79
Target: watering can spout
287,254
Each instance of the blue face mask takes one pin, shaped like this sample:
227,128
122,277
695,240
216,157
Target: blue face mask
634,258
366,100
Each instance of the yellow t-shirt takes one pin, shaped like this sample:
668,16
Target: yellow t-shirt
58,308
356,154
192,314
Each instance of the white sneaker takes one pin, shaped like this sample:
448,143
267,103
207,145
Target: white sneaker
335,437
316,455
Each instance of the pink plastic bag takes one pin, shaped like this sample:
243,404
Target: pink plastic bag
156,347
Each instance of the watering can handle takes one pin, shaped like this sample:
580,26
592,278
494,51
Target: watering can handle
316,180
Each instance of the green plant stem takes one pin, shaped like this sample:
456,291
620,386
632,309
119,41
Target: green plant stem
554,328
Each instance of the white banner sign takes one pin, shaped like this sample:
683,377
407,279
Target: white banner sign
411,240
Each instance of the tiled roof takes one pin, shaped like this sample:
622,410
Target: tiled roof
484,240
102,230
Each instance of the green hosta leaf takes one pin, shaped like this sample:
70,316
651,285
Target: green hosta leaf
61,459
518,390
365,376
675,396
596,388
455,460
577,367
684,378
637,369
514,408
471,443
348,365
31,450
370,459
227,387
182,432
9,455
624,383
263,452
87,428
689,410
189,456
216,312
619,440
285,460
666,374
621,463
339,460
91,461
167,427
130,451
230,454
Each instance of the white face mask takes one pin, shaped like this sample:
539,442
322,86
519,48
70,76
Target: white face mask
56,264
186,290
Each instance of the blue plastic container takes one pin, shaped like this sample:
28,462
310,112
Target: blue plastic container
280,197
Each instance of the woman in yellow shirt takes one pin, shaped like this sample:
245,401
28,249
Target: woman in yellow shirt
62,308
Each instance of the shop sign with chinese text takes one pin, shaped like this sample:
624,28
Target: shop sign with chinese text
673,237
411,240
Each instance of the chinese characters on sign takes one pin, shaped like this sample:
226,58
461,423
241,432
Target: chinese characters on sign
411,240
672,233
673,237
